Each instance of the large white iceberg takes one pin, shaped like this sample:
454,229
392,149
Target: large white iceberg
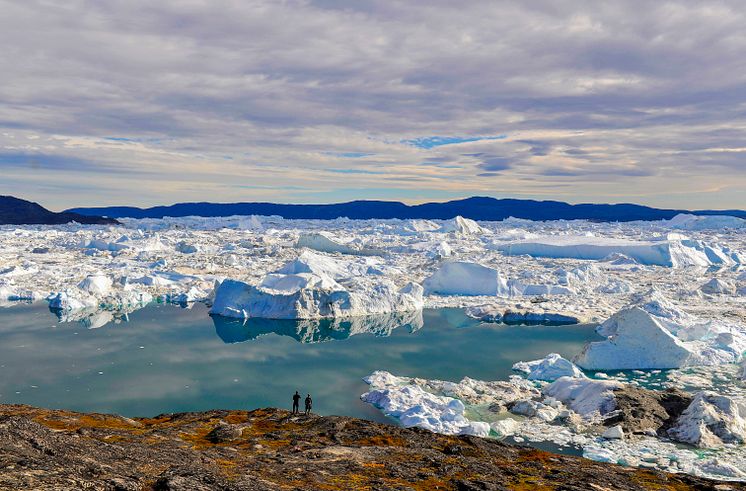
326,242
307,289
637,340
653,334
465,278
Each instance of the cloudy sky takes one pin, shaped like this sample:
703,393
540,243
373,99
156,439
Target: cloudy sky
142,102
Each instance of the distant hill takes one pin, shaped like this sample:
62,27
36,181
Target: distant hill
15,211
477,208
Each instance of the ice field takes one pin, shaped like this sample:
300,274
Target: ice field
669,298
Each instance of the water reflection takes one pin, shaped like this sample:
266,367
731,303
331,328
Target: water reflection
232,330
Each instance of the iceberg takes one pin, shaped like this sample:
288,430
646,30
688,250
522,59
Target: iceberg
637,340
587,397
670,253
462,226
550,368
307,289
710,421
325,242
465,278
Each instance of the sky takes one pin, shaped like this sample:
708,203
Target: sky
114,102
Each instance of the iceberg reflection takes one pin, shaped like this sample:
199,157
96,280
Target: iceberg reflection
233,330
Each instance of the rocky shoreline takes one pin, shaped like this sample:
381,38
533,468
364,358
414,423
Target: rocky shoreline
269,449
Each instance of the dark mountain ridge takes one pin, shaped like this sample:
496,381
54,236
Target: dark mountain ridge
476,208
16,211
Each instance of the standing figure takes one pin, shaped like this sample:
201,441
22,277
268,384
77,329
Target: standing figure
309,404
296,402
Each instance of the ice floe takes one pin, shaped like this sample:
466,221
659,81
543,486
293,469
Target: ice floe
549,368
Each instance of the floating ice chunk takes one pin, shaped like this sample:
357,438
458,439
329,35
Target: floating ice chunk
719,468
423,226
325,242
613,433
71,300
534,409
186,248
251,222
97,284
505,427
462,226
716,286
550,368
587,397
413,406
464,278
710,421
485,313
381,379
636,340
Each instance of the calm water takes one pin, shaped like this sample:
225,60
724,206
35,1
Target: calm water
168,359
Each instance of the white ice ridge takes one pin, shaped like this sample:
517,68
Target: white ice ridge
674,252
313,287
181,260
653,333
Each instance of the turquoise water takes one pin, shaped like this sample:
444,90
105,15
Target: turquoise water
168,359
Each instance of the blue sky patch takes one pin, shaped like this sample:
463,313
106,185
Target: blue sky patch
428,142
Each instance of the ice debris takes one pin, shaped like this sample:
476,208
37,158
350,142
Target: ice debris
549,368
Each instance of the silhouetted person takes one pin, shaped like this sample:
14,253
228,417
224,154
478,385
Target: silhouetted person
296,402
309,404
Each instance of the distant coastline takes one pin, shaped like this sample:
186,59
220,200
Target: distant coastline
476,208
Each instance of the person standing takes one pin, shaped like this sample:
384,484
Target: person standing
296,402
309,404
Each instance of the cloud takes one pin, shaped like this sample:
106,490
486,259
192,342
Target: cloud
173,101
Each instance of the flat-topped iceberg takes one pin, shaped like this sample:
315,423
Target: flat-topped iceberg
465,278
671,253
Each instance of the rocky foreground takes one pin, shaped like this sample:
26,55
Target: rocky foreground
45,449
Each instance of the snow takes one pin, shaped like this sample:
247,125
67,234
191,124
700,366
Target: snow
686,221
550,368
462,226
